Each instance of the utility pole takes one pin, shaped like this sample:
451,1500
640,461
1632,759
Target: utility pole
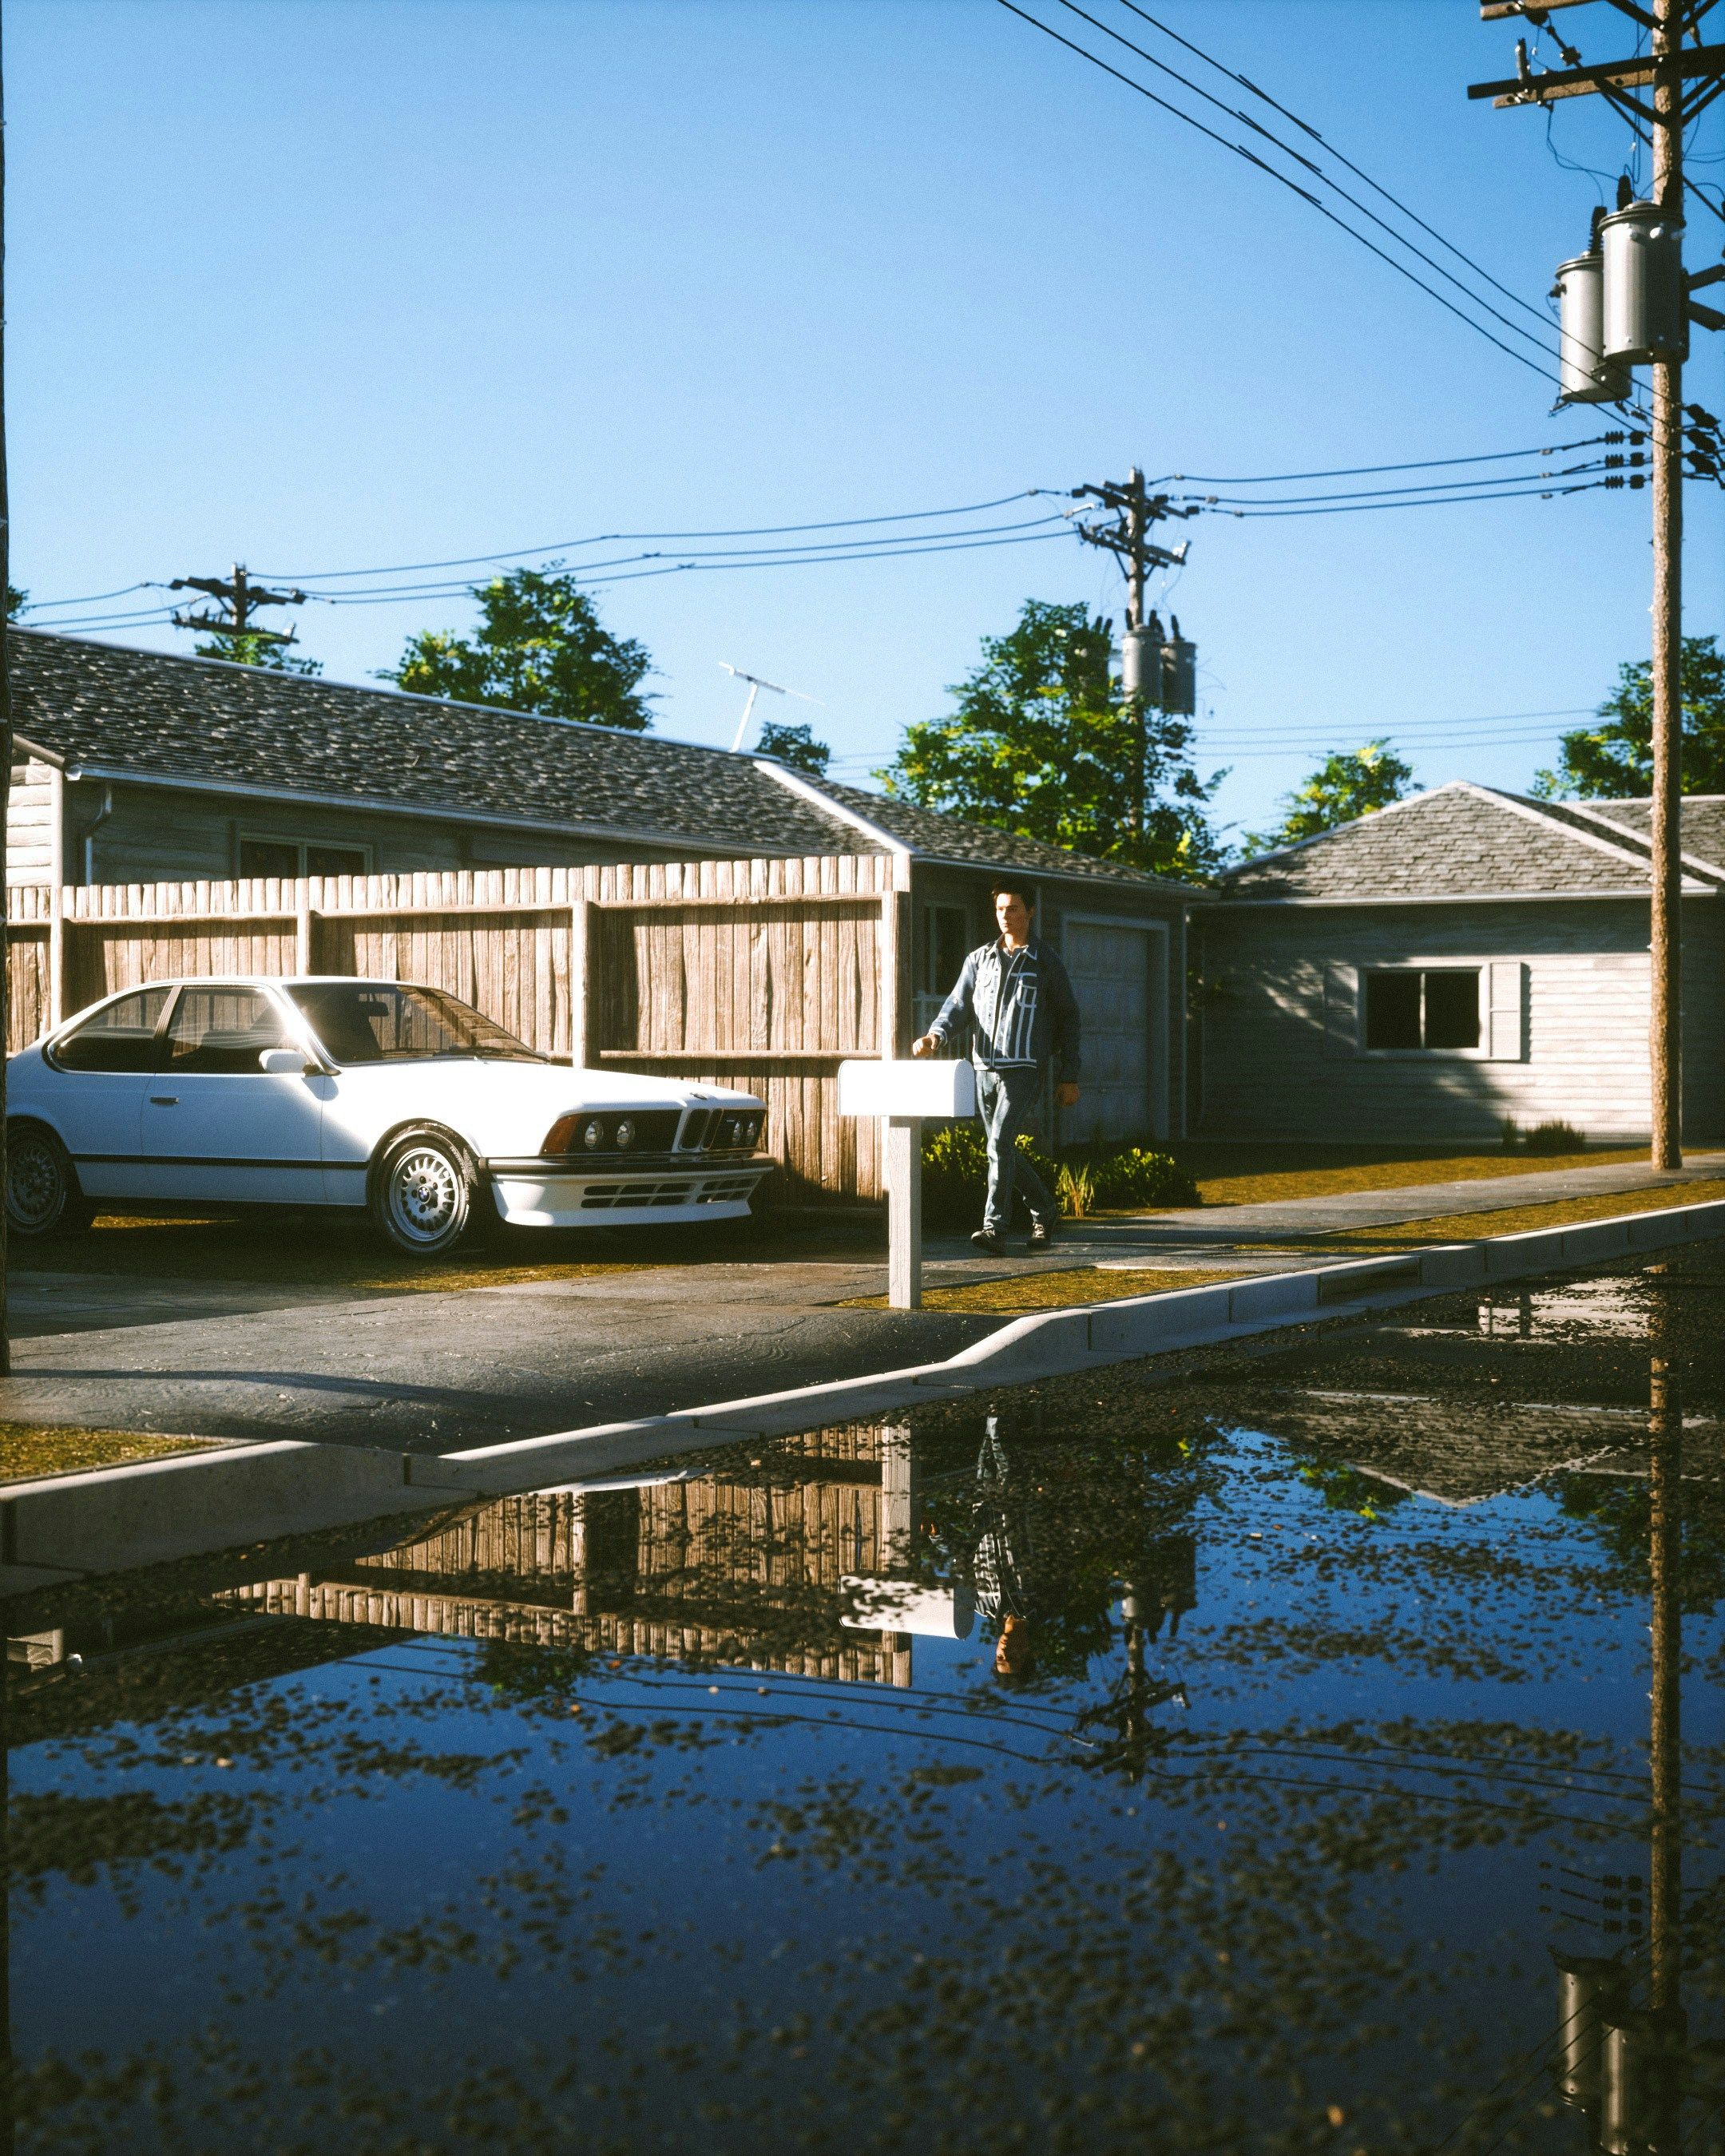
5,820
1128,539
241,597
1682,83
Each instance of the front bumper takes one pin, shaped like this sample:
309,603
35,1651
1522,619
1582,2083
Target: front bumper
559,1194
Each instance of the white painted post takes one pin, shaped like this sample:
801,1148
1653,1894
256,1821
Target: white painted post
904,1212
905,1096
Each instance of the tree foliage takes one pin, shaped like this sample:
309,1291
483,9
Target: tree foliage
1613,759
1042,743
540,646
795,746
1347,785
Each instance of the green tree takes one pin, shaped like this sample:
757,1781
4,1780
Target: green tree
1042,743
540,647
795,746
1347,785
1613,760
16,599
251,650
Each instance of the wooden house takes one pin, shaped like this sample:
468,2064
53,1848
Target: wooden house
749,918
1465,957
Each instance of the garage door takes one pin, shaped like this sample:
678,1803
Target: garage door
1120,975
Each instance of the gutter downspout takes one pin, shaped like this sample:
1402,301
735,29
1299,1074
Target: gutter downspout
96,823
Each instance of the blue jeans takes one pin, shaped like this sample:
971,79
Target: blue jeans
1006,1102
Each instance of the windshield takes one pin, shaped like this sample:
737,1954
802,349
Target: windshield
373,1021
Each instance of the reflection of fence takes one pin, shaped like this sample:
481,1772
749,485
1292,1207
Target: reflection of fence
738,1572
760,974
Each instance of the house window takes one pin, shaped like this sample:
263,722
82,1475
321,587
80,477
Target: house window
1409,1009
260,856
946,944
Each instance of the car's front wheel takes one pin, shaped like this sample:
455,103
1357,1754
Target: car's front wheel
425,1193
42,1197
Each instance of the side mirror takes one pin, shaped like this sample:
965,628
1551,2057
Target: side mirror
283,1062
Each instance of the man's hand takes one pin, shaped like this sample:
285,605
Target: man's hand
926,1046
1066,1096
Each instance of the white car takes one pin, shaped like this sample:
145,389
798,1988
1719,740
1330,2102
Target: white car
326,1091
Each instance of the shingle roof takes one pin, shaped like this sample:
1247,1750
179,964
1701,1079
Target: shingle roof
117,710
940,837
158,714
1704,823
1459,841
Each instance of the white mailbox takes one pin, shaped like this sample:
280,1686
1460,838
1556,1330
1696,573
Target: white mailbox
905,1096
907,1605
917,1090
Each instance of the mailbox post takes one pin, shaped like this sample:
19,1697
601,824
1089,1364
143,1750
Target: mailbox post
905,1096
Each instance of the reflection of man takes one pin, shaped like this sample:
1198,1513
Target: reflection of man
999,1554
1016,998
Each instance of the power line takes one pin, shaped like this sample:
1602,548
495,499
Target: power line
616,538
1533,492
1317,173
1363,471
1305,128
1293,187
1459,488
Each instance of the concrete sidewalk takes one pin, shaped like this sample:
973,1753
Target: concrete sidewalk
435,1371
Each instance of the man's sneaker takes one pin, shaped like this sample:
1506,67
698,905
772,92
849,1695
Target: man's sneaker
985,1239
1042,1234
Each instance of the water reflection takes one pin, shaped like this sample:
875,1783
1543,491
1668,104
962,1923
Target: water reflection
1180,1767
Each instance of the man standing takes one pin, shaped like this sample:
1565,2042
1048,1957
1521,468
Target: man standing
1016,998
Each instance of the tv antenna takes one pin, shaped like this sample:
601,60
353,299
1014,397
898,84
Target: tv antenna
756,684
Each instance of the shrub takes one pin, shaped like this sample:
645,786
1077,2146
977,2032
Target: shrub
1136,1176
955,1176
1557,1137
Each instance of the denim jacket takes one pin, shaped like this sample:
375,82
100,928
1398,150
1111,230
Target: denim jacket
1019,1007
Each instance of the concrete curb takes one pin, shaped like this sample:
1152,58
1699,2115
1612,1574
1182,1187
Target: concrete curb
155,1511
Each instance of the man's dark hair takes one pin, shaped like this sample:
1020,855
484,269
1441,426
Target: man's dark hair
1020,890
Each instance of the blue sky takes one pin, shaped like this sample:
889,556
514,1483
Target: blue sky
324,284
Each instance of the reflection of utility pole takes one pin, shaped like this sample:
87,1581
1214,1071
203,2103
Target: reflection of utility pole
241,597
1626,2065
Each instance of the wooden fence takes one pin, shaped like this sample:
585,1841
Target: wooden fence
757,974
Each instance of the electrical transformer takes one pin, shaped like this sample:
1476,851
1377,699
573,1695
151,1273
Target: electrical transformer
1179,672
1585,375
1644,311
1141,665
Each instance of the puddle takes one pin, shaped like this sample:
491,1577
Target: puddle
1232,1764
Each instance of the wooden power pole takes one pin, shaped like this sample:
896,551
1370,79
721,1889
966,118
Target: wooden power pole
241,599
1659,92
1128,538
5,768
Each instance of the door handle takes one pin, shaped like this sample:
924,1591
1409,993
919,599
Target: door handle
164,1100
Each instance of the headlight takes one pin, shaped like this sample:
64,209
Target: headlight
593,1133
625,1132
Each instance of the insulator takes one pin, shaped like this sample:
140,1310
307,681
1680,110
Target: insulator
1584,376
1646,312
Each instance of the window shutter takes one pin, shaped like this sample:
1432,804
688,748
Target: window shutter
1341,1010
1506,1028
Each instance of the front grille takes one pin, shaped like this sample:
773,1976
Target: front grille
715,1190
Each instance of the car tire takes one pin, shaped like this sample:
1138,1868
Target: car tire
42,1197
426,1197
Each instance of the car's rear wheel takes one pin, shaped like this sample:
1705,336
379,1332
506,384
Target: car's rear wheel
425,1193
42,1197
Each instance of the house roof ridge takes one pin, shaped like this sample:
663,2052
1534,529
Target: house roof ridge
1698,862
387,692
1318,838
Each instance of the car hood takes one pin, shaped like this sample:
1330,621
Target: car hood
552,1088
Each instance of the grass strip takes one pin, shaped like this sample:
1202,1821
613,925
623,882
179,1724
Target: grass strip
1506,1221
1313,1178
1064,1289
28,1449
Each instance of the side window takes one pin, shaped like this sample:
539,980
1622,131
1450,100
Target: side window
1406,1010
120,1037
945,946
222,1032
294,857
